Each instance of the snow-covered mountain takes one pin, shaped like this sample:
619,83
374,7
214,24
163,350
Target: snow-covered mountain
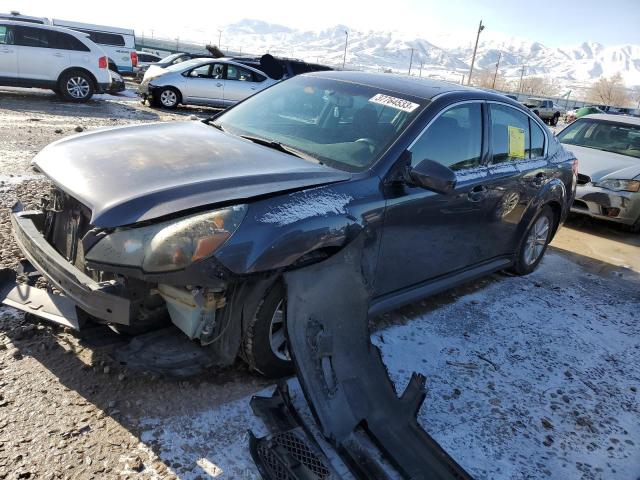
377,50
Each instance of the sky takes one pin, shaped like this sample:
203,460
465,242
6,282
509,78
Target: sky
553,23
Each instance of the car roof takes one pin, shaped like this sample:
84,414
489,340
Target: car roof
75,33
426,88
629,120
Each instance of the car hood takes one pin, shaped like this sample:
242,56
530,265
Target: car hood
137,173
599,164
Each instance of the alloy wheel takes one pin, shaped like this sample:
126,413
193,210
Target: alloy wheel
536,240
168,98
277,338
78,87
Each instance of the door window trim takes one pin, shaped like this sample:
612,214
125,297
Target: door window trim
531,117
484,146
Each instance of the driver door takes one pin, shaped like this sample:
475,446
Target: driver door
204,85
427,234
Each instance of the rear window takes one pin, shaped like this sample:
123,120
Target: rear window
104,38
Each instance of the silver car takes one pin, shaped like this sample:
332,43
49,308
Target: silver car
216,82
608,152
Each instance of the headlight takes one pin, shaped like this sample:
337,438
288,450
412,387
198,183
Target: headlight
169,245
619,185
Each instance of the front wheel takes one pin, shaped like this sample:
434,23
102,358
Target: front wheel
553,121
534,243
76,86
265,343
169,98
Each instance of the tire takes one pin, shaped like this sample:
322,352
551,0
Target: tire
264,344
168,98
76,86
553,121
527,257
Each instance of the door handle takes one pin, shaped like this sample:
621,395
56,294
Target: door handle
58,55
477,193
218,84
253,88
6,50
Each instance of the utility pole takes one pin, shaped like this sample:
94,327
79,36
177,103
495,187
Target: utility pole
475,49
462,82
421,62
177,43
521,75
410,62
497,65
219,37
346,39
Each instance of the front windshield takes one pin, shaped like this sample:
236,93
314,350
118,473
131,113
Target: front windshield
345,125
608,136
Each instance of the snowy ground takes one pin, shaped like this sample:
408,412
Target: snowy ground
532,377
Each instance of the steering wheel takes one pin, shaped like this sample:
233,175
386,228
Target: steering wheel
372,144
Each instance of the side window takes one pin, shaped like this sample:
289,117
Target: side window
239,73
31,37
103,38
201,72
510,139
537,140
454,139
217,71
258,78
6,35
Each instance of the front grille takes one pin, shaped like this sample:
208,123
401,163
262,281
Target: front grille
294,448
583,179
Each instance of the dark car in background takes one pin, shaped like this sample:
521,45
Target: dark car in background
197,221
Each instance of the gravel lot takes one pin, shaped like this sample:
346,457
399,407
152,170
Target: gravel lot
533,377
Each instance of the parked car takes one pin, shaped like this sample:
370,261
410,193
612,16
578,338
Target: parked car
214,82
145,60
158,67
201,219
545,109
608,147
573,115
42,56
117,82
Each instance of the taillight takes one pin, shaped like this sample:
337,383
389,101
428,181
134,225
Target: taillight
134,59
102,62
574,166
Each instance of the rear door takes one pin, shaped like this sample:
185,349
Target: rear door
205,84
240,83
518,169
8,53
427,234
39,54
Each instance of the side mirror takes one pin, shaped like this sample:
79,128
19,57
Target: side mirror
433,176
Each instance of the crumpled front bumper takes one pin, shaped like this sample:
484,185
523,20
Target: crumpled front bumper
598,202
78,289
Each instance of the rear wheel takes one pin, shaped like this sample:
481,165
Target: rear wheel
534,243
553,121
76,86
265,343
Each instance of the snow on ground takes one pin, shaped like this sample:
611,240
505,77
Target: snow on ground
529,377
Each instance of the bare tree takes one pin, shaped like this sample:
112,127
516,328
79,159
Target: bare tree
485,79
542,86
609,91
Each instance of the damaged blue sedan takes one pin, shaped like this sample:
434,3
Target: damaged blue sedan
195,223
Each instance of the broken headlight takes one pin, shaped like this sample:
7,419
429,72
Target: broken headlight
170,245
619,185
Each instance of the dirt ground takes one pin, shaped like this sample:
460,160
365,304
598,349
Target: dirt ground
532,377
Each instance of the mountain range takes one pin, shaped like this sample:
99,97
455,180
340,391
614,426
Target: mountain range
441,56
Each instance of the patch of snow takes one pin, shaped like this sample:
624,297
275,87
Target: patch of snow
472,174
306,205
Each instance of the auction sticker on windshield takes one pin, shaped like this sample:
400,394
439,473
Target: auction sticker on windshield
394,102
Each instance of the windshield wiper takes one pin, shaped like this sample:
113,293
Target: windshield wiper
280,147
215,125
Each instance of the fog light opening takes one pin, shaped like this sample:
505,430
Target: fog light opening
611,211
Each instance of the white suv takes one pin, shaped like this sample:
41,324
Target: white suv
44,56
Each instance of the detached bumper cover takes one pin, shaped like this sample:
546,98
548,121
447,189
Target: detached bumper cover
92,297
345,380
593,201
